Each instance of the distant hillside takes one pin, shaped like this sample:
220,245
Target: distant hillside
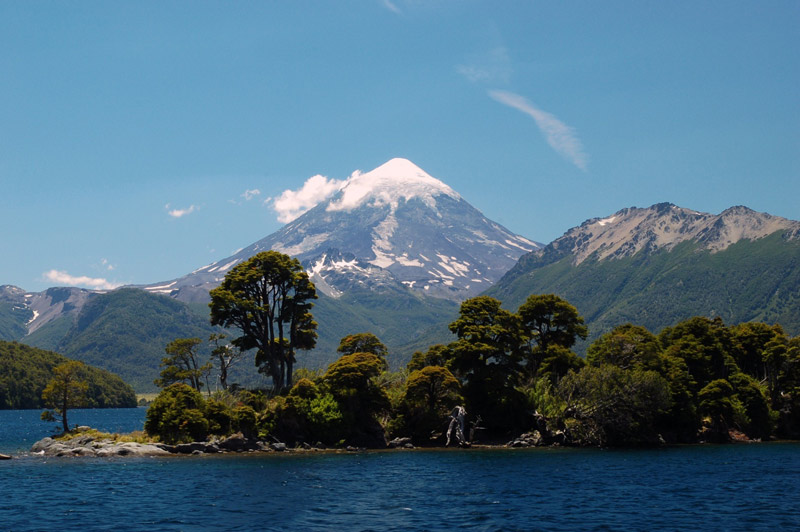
13,313
124,331
664,264
396,319
25,371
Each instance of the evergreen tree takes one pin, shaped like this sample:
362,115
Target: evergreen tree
66,390
268,298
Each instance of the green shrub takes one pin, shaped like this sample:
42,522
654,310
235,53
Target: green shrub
244,420
177,415
220,417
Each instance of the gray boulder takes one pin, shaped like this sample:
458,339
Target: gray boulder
83,445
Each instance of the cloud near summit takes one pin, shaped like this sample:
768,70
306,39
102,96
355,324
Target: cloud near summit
294,203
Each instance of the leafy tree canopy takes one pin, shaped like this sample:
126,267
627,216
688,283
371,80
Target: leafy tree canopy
66,390
628,347
177,415
362,343
436,355
550,320
182,364
268,298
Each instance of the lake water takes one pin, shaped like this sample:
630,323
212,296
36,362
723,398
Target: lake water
709,487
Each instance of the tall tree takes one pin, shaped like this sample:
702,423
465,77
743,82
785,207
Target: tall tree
486,359
362,343
548,321
67,389
628,347
704,344
268,298
182,364
224,355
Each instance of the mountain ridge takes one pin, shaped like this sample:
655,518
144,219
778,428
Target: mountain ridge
740,265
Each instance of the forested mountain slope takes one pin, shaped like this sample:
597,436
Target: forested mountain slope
25,371
664,264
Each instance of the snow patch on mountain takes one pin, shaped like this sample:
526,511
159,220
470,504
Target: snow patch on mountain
396,180
307,244
393,228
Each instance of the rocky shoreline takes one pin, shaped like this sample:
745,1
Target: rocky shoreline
86,442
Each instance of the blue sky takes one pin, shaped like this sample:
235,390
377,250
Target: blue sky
142,140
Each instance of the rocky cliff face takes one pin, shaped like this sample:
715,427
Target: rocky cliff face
32,310
663,226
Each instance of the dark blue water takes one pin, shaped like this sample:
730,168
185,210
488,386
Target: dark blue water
735,487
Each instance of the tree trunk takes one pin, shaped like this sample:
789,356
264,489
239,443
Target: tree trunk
64,409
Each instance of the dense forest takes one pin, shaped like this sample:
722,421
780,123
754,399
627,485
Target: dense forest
25,372
514,373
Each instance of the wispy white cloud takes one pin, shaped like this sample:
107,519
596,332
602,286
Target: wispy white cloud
293,203
180,213
62,278
559,136
107,265
250,194
493,67
391,6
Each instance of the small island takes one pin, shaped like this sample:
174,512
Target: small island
510,378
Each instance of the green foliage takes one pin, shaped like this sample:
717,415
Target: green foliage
541,397
267,298
436,355
219,416
611,406
362,343
430,395
177,415
704,345
25,371
124,332
749,342
306,414
496,350
717,401
255,399
66,390
627,347
182,365
13,318
352,382
681,422
224,357
759,419
557,362
550,320
305,373
244,420
749,281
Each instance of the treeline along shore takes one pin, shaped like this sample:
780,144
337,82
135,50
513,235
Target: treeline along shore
509,378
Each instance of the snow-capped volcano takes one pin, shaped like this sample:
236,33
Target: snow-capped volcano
395,225
394,181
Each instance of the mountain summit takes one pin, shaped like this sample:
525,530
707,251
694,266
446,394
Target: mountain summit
659,265
393,228
393,181
663,226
